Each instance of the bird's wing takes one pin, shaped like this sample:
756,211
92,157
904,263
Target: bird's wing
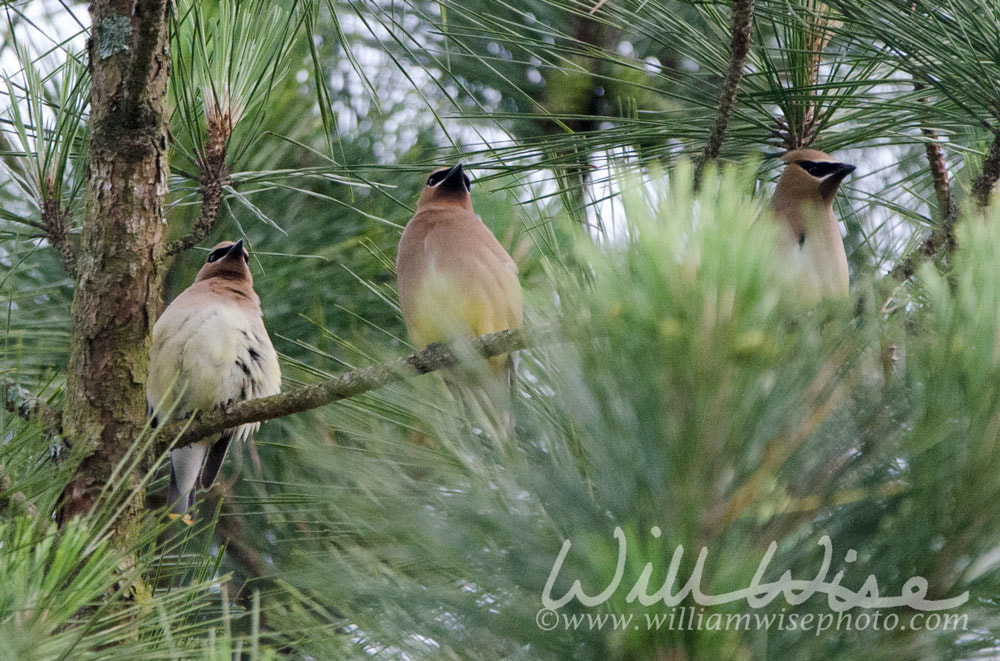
259,373
165,363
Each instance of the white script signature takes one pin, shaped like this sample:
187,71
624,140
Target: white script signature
757,594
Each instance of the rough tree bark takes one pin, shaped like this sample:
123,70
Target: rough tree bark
116,297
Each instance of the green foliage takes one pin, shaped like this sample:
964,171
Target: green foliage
687,389
226,68
44,135
46,113
70,593
692,393
933,42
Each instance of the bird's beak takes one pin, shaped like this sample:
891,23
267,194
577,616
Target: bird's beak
235,250
830,185
454,180
844,169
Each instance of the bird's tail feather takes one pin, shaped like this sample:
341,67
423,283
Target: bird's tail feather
185,467
486,403
179,502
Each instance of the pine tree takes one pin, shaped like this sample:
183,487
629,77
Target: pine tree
673,392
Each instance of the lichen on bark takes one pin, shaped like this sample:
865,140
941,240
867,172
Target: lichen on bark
113,35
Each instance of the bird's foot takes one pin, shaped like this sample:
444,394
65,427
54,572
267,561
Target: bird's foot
186,519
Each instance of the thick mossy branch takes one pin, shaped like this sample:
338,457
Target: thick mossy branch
741,25
350,384
943,236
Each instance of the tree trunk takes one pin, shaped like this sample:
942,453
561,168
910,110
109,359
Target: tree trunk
116,298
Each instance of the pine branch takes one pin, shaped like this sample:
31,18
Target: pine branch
211,183
741,25
350,384
935,160
54,224
943,236
56,229
791,131
939,172
983,185
26,405
946,205
214,177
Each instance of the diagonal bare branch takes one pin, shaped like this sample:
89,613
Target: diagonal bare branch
350,384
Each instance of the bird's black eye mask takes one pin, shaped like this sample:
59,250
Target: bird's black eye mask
819,169
440,175
219,253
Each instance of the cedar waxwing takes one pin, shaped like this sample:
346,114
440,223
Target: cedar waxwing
455,279
210,345
810,236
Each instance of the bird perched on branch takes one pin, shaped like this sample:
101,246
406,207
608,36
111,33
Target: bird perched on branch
810,236
455,279
210,349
